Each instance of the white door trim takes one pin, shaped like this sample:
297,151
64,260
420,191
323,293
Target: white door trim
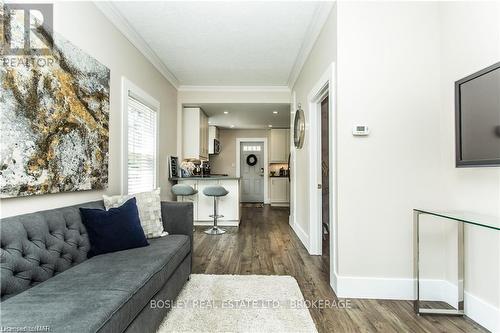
324,87
293,180
266,163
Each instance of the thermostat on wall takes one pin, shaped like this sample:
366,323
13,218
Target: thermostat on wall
360,130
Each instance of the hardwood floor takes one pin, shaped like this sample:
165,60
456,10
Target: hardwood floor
265,244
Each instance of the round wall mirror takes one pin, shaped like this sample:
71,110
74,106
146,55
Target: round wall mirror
299,128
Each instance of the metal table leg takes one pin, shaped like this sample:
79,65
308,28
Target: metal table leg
416,271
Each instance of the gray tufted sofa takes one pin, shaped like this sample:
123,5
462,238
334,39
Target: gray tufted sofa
48,284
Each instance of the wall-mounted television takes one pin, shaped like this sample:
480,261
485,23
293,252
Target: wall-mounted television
477,118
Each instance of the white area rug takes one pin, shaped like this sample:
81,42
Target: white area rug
239,303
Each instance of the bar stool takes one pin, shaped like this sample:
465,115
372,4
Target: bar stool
183,190
215,191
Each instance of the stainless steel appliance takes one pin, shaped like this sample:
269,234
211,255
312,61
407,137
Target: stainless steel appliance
205,168
216,146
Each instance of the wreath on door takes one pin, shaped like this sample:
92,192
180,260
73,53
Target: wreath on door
251,159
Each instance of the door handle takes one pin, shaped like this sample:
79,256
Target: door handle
320,187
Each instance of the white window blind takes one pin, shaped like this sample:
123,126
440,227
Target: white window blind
141,147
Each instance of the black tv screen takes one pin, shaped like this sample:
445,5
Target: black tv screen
477,105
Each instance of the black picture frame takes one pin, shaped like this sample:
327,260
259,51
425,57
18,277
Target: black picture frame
459,161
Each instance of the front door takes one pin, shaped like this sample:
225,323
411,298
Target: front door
252,171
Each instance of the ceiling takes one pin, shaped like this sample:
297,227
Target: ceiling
222,43
248,115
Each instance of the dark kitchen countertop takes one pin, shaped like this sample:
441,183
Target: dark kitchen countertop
211,177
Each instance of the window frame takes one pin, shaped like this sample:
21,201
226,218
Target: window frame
129,88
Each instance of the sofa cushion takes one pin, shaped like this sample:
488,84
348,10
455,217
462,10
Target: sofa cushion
37,246
113,230
149,207
103,294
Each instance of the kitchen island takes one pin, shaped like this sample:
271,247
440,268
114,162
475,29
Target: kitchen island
229,205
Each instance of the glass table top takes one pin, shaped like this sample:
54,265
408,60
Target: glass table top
491,222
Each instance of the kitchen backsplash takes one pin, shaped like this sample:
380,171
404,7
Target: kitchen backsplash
276,167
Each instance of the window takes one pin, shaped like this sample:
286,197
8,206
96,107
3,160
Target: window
140,146
251,148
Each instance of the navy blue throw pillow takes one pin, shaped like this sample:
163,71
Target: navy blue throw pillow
114,230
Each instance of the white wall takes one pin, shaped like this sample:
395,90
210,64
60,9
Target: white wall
396,67
388,79
318,61
225,161
86,27
470,41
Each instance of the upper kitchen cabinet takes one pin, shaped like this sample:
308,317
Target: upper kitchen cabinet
280,145
213,140
194,133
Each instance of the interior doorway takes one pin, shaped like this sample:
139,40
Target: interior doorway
252,171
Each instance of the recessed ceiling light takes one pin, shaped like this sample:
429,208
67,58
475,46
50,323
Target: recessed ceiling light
269,125
275,112
232,126
226,112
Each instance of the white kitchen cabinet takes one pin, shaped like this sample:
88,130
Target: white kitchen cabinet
204,136
227,207
280,191
213,134
194,134
280,145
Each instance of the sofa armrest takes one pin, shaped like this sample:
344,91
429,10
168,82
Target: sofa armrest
177,218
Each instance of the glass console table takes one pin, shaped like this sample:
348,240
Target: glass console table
481,221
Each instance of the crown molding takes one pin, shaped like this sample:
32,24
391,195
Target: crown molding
284,89
319,19
112,14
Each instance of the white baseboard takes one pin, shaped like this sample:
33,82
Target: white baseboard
482,313
229,223
439,290
303,236
374,288
280,204
478,310
334,280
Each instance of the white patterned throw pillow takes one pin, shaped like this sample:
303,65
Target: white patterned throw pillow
149,207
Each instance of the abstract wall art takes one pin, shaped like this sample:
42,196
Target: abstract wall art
54,122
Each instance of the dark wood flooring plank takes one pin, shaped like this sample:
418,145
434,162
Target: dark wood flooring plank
265,244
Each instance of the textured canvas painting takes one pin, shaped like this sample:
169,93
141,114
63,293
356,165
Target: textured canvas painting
54,122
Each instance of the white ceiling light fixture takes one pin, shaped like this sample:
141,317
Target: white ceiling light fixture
232,126
269,126
226,112
275,112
